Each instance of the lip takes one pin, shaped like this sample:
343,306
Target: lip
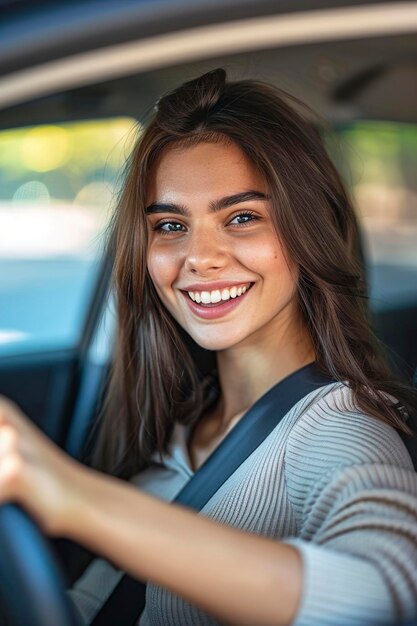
225,284
218,310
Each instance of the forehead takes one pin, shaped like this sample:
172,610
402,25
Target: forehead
207,169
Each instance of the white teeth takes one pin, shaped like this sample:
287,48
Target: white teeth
212,297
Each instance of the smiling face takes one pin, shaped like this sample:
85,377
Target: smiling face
214,256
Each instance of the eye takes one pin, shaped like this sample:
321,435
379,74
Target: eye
243,218
168,227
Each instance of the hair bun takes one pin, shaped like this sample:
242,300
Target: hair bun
207,88
193,99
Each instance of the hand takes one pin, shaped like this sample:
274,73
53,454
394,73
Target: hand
35,473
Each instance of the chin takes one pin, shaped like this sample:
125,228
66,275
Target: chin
214,343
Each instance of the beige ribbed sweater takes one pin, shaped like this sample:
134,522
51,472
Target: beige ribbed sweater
337,484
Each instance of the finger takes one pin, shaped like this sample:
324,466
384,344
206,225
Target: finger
8,440
6,409
11,464
11,476
10,413
13,440
9,405
2,413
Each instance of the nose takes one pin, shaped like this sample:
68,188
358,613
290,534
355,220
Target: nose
205,252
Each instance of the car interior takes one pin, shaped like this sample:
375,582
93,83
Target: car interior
362,91
344,82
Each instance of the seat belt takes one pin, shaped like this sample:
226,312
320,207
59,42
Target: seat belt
127,601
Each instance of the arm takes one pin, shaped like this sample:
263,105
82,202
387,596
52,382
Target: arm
240,578
354,492
358,544
358,560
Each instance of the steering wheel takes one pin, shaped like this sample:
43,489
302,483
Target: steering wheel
32,589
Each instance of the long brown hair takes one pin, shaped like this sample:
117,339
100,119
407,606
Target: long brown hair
155,382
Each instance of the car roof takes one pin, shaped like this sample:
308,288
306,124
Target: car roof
348,59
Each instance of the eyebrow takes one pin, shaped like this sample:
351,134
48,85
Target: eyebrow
214,205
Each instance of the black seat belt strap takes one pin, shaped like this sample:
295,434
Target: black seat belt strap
127,600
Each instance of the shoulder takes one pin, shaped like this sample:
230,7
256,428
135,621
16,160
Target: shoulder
333,432
334,453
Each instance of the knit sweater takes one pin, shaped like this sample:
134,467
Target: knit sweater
335,483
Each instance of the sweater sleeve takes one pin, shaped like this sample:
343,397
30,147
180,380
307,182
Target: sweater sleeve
354,492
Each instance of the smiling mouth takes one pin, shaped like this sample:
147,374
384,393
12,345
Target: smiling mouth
211,311
222,306
218,297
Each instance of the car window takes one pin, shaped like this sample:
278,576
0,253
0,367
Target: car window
58,184
381,158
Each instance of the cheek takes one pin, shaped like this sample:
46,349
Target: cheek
267,259
162,267
265,255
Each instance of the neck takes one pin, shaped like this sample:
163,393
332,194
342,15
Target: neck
248,370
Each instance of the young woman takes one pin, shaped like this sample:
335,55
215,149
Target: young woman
234,227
